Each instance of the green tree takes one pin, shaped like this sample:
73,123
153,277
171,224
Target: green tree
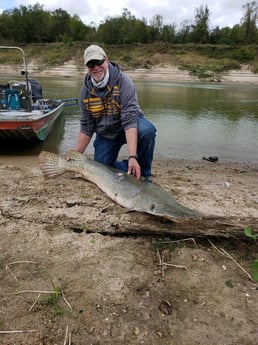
125,29
79,31
249,22
36,22
108,32
6,25
142,31
184,33
156,25
237,34
60,25
168,33
200,33
17,29
33,24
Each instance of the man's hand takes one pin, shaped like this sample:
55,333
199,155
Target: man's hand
134,168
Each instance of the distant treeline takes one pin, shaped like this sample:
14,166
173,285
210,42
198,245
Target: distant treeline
33,24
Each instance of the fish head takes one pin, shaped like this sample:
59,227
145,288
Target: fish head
158,202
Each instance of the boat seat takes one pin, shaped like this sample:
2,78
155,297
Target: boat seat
13,101
34,88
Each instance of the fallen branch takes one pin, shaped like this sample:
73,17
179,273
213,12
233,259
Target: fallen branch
216,248
143,224
164,264
182,240
9,269
224,252
36,300
66,301
22,262
173,265
68,336
7,266
242,268
10,332
33,291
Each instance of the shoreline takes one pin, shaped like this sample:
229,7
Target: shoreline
169,73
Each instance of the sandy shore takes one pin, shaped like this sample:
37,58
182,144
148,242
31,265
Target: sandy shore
157,73
69,263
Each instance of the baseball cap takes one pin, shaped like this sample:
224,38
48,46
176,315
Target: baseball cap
93,52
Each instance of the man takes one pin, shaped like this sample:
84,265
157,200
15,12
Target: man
110,108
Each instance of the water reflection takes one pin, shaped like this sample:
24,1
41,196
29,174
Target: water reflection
195,120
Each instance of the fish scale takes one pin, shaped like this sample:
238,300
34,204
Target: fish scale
125,190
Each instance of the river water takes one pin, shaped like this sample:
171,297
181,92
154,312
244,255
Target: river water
193,120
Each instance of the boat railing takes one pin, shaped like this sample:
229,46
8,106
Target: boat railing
70,102
28,96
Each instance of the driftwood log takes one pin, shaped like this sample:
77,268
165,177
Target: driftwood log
119,223
210,227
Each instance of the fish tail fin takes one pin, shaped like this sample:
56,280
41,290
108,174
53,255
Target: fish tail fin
51,164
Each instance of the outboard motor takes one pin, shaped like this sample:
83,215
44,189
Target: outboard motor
36,90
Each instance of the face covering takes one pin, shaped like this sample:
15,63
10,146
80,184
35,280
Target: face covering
102,83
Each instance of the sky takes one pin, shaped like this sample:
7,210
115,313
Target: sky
222,12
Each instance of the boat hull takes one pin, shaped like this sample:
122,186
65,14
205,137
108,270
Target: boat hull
25,126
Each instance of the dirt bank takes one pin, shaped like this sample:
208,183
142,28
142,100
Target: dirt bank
157,73
64,275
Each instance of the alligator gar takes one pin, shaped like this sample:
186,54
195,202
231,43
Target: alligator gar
127,191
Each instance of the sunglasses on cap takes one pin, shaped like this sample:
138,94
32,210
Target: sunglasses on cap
93,63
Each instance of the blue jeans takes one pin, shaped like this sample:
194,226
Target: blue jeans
107,150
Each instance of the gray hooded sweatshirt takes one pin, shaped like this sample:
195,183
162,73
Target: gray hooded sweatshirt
110,110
